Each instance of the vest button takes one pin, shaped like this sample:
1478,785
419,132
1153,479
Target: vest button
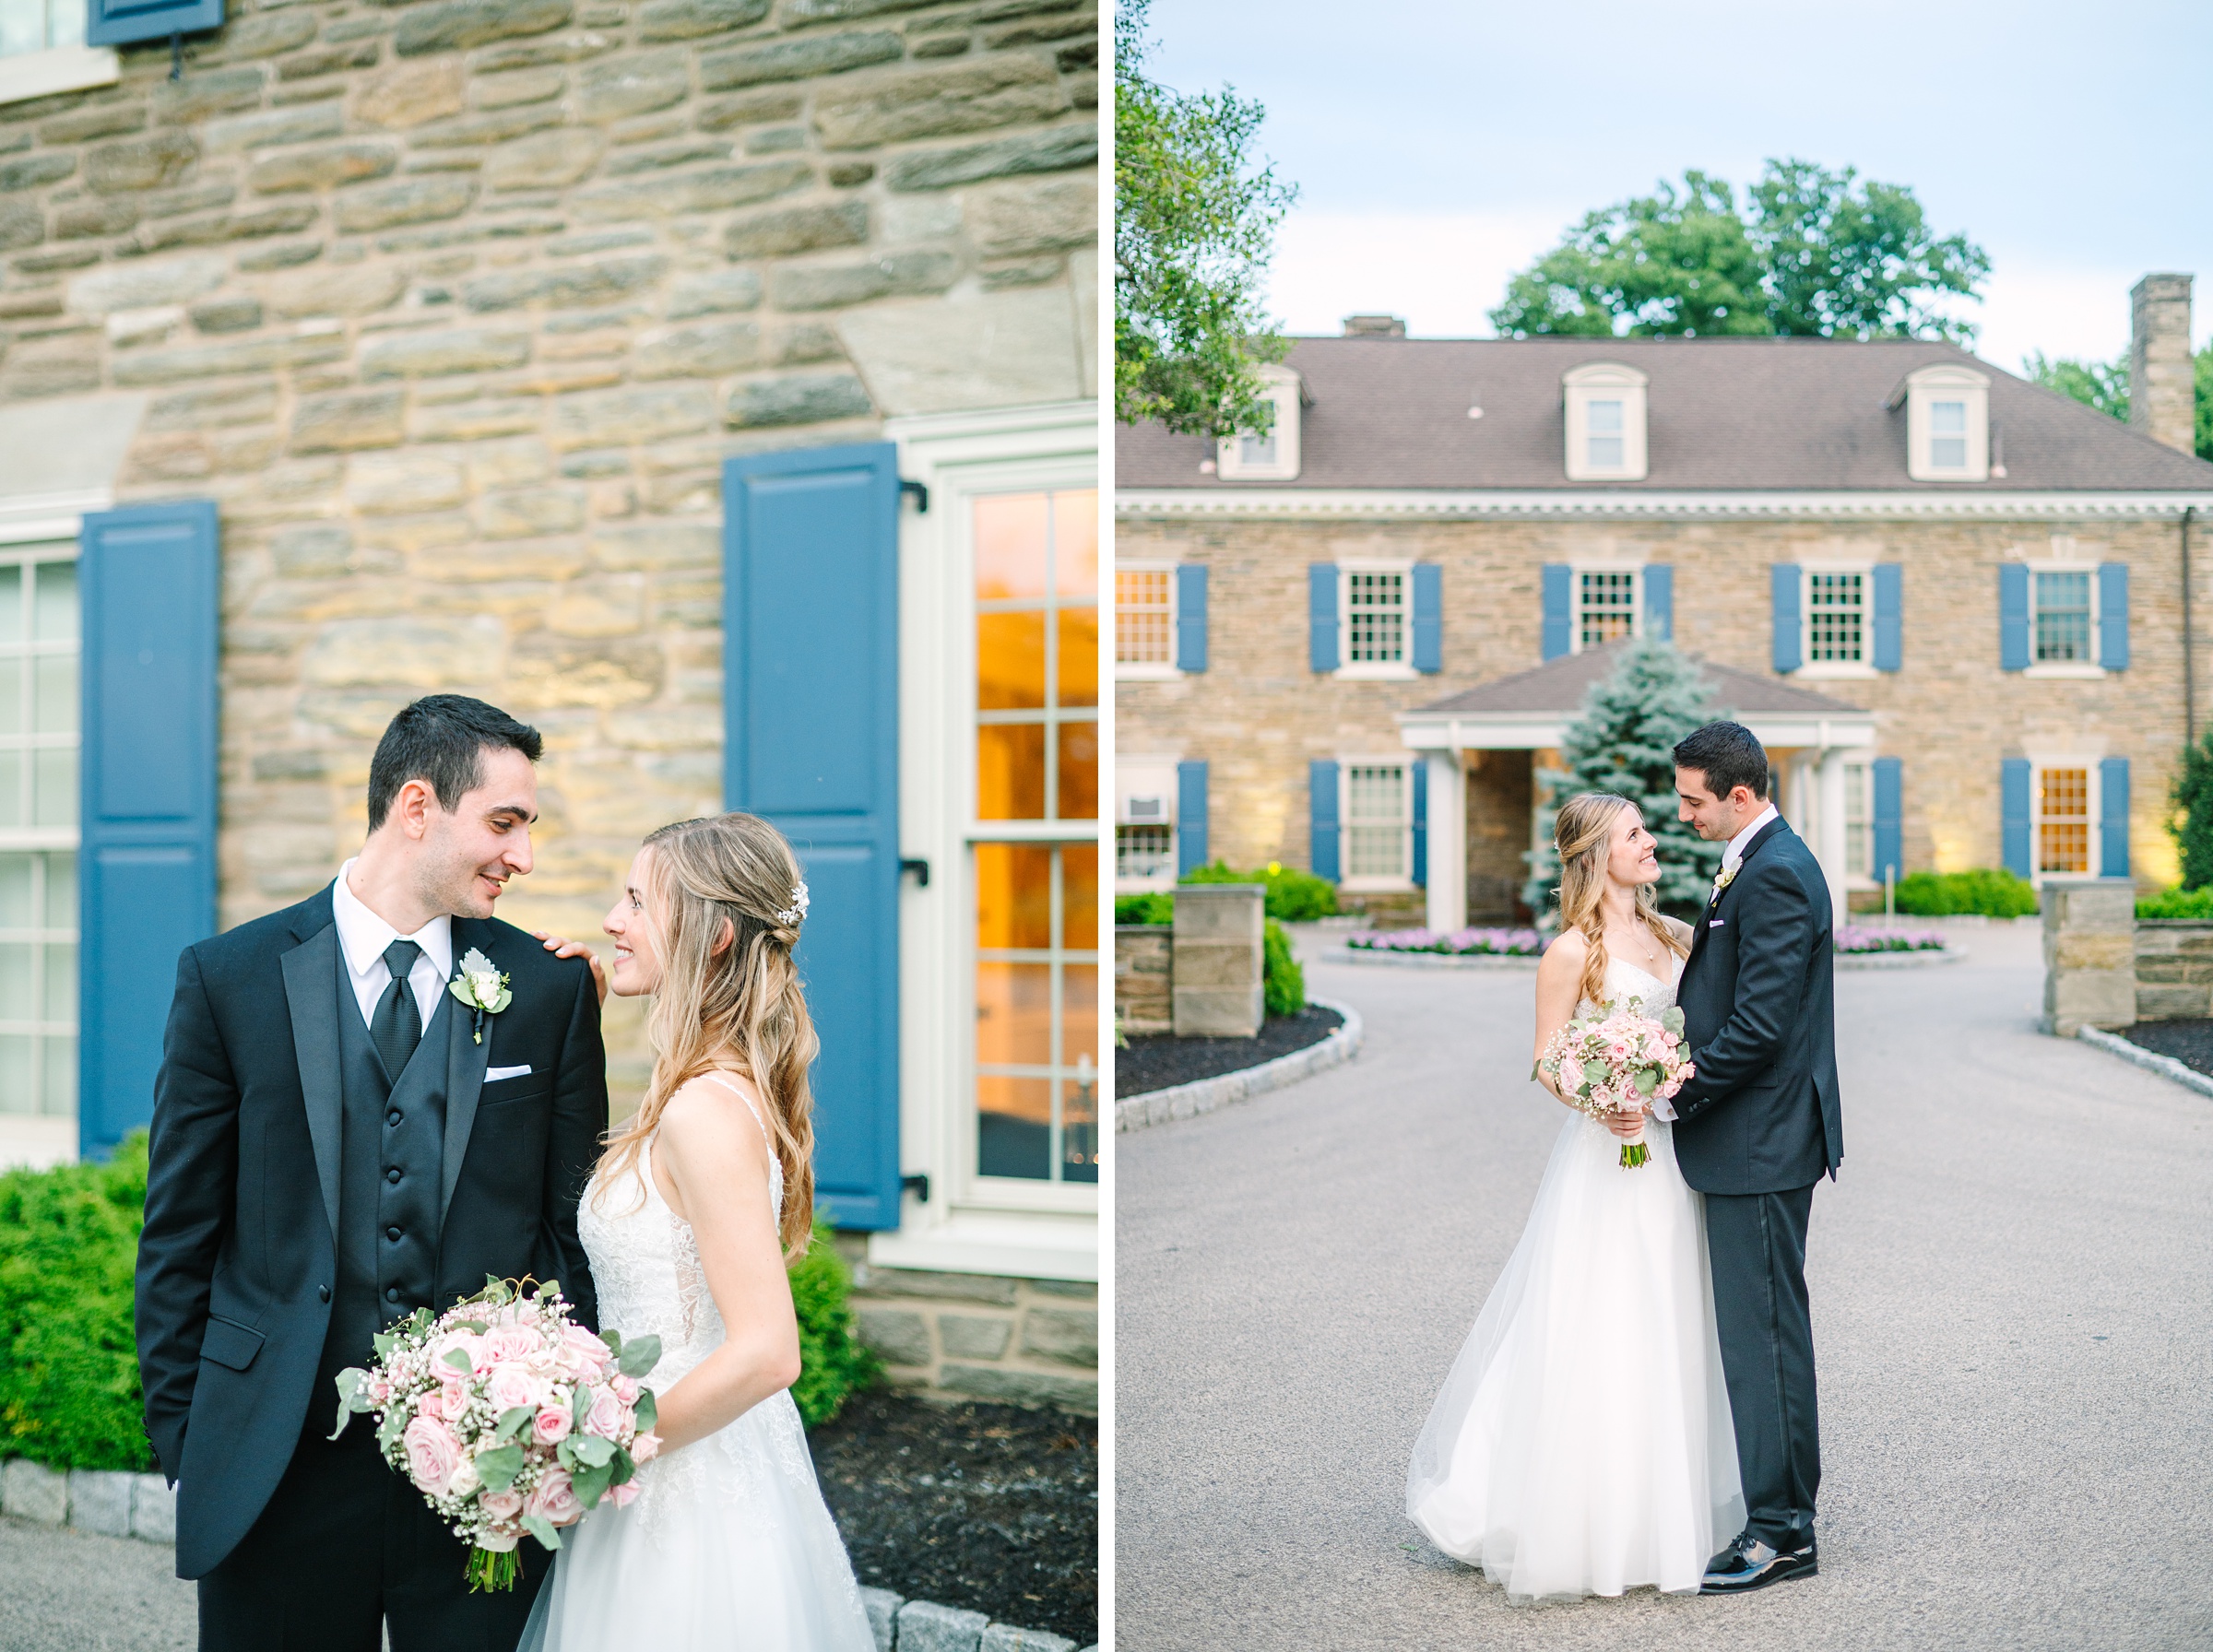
392,1234
392,1174
391,1292
392,1117
322,1291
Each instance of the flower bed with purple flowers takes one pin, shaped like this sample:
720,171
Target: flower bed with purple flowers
1858,937
1456,943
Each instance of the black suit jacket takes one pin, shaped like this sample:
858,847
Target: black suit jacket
237,1259
1759,1006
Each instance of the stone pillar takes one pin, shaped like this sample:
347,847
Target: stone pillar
2161,388
1217,978
1448,868
1144,974
2089,953
1828,847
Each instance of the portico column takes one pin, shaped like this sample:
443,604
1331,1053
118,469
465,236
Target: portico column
1829,828
1448,868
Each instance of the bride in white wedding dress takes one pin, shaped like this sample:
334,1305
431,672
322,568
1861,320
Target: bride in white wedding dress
1581,1443
688,1220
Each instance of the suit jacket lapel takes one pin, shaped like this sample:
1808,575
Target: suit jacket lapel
464,1061
313,979
1760,840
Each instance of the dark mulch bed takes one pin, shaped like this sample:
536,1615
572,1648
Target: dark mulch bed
991,1507
1156,1062
2190,1043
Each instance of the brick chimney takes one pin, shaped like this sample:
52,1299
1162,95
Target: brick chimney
2160,392
1394,327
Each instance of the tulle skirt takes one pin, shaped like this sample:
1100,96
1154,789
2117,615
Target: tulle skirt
729,1547
1581,1443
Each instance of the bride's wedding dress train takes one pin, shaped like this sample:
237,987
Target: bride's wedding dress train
728,1545
1581,1445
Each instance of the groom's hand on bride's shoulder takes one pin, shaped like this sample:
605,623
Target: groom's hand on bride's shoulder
576,949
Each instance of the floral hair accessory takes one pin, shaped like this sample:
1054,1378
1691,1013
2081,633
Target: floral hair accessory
791,915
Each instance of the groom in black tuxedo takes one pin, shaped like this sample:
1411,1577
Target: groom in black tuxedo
1757,1129
334,1147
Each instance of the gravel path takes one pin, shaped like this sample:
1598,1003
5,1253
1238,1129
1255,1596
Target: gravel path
74,1591
2008,1286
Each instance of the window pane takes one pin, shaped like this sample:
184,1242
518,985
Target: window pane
1014,1126
1606,452
1080,1132
1009,772
1009,661
1013,896
1011,532
11,596
56,618
1857,858
1076,543
56,788
1375,605
16,1093
1014,1014
61,982
1609,605
1141,617
1256,450
1142,851
1080,897
1605,418
15,893
56,680
64,23
22,26
11,788
1079,672
1377,794
17,1002
60,1082
1377,851
1947,418
1835,608
1078,761
1080,1014
1947,452
2063,821
2062,617
14,718
61,891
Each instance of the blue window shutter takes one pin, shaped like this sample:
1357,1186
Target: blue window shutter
150,577
1190,817
1889,600
1429,617
810,743
1559,610
2013,616
1321,816
1887,819
1190,616
2013,781
1321,616
2112,616
119,22
1421,823
2112,818
1790,641
1660,601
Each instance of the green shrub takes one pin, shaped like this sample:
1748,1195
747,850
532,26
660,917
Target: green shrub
2192,822
833,1364
1144,909
1992,891
68,1363
1283,983
2178,903
1293,896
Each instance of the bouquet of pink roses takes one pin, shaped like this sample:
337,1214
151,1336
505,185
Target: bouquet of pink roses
509,1417
1618,1061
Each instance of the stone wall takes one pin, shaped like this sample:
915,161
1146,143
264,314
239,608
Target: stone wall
980,1337
1145,964
455,308
2173,969
2090,954
1258,715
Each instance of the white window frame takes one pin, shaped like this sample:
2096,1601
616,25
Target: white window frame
1605,381
1863,827
1836,670
1149,671
1284,391
1575,599
1404,763
51,70
2088,670
1947,382
2094,801
971,1223
1137,777
1399,671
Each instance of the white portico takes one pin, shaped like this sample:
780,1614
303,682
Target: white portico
1482,748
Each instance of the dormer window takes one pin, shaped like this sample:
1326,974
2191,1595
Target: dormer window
1604,422
1948,423
1270,455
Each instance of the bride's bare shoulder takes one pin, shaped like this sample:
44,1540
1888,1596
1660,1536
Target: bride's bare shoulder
1565,954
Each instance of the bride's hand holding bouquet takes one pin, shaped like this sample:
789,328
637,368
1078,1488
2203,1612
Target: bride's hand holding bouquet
1614,1064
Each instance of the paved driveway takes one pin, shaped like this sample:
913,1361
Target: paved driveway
2011,1287
75,1591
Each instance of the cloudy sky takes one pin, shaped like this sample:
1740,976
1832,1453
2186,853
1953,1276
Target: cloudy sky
1440,145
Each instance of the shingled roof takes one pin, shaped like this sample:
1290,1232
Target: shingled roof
1558,686
1721,413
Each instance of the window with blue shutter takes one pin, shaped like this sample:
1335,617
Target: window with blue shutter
1421,821
1190,616
1660,602
1783,583
1321,616
810,702
150,578
1889,600
1322,817
2014,785
119,22
2013,618
1429,617
1887,822
1190,817
1559,610
2112,616
2112,818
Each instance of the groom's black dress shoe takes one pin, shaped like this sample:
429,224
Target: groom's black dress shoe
1750,1563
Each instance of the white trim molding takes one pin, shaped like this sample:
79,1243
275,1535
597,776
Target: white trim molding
27,75
1449,504
25,517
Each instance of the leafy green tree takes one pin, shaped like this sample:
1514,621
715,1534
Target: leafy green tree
2099,385
2204,380
1812,254
1194,225
2192,822
1623,742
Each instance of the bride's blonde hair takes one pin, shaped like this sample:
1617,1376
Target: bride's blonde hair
733,871
1583,833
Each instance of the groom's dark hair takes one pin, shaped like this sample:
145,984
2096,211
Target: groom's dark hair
1729,755
441,741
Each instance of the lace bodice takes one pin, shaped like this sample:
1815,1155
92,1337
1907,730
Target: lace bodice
1626,980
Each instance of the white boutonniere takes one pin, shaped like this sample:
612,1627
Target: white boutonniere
1728,876
481,986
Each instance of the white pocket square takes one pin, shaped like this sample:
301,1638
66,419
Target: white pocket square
1710,924
492,1075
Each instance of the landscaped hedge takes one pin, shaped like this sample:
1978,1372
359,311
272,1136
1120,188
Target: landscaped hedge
1992,891
69,1362
1283,983
2178,903
1293,895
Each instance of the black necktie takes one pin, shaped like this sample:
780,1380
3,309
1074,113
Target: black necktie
396,1027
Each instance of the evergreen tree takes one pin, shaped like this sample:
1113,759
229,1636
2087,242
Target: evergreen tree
1623,742
2192,823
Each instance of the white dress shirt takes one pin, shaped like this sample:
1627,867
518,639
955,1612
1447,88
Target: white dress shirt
362,937
1734,856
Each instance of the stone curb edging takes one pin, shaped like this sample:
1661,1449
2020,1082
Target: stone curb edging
1203,1096
1508,960
145,1507
2151,1061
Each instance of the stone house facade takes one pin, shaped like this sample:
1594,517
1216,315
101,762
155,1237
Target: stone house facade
1353,644
524,348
